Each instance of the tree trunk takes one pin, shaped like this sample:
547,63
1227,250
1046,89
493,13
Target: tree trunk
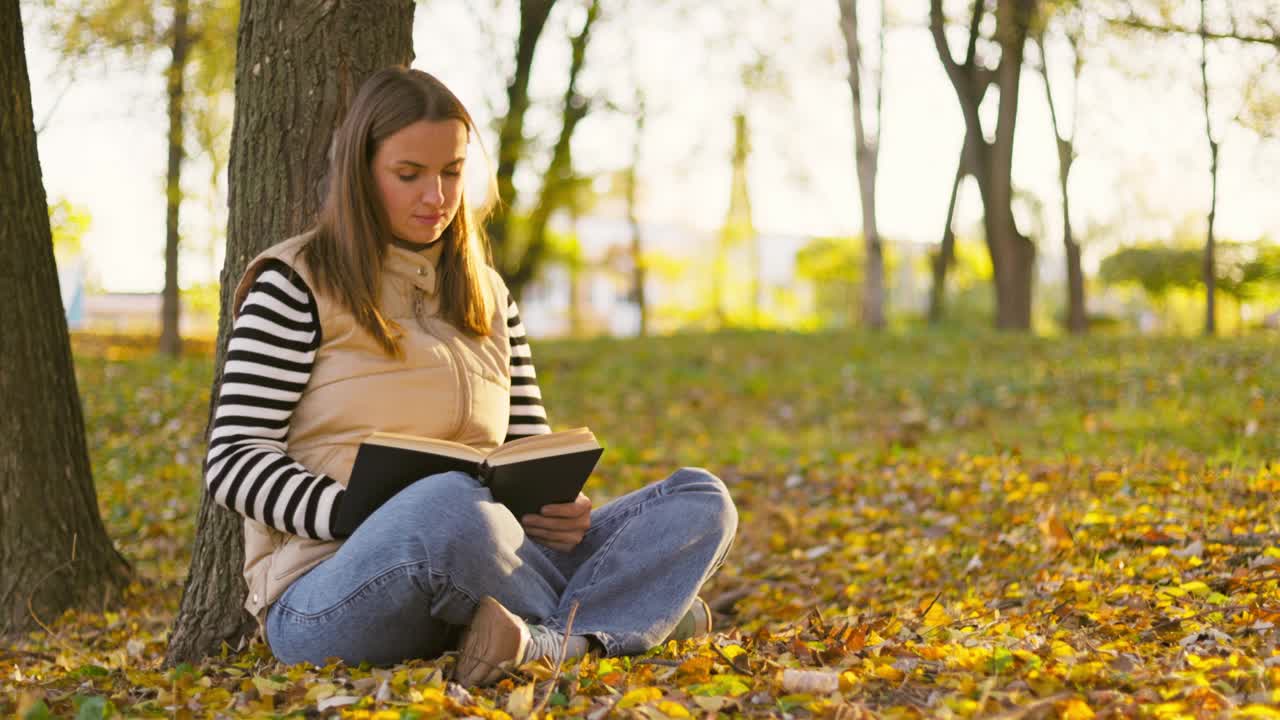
297,66
54,550
1208,269
738,226
946,255
519,272
1012,253
866,159
1017,253
180,44
1077,321
511,141
633,220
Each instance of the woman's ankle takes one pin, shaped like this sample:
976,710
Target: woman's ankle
546,643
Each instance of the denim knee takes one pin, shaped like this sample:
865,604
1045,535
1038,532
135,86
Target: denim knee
451,511
716,505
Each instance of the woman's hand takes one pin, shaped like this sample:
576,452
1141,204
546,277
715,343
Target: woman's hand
560,527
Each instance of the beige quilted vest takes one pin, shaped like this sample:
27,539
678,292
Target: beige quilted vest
449,385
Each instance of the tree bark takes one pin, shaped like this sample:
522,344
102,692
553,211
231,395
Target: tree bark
738,225
54,550
1208,269
511,141
179,47
1012,253
946,255
633,220
866,159
1077,321
559,175
298,64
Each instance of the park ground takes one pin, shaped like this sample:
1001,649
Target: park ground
932,525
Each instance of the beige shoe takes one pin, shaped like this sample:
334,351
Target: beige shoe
494,642
695,623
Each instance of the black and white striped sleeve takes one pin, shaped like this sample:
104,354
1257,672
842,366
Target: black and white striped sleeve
528,417
269,359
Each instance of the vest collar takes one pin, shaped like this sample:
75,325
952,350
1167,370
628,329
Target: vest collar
419,268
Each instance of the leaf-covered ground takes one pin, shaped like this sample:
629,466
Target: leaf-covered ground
931,526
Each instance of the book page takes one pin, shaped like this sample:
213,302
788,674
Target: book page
447,448
537,446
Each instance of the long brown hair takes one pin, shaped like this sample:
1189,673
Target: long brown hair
352,231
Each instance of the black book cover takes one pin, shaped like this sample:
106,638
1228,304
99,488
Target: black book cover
381,471
526,486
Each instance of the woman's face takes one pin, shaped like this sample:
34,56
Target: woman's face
418,170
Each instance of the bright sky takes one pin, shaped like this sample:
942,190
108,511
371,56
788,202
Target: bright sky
1143,163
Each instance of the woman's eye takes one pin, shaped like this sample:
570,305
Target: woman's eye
453,173
408,178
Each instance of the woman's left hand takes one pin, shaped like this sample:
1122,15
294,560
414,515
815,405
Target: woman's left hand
562,526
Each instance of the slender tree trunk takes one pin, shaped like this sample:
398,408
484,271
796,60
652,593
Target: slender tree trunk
633,220
179,47
866,159
576,325
54,551
737,223
1208,269
298,64
511,141
520,271
946,255
1077,321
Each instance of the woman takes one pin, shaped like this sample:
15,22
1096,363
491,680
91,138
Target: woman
385,316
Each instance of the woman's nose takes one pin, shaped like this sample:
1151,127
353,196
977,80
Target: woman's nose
433,192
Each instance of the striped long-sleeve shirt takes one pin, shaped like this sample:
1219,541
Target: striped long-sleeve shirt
269,359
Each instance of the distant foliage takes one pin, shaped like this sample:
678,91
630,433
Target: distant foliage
1242,269
1156,268
69,224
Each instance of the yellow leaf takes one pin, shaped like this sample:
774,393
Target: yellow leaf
1075,709
321,691
1197,588
673,710
848,680
889,673
267,686
733,651
639,696
937,616
520,702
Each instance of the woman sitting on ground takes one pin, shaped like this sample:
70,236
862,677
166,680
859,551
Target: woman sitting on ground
386,316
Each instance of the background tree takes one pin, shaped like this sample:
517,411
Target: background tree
54,551
297,66
977,79
1208,272
1012,253
738,228
1250,25
194,33
511,133
1070,18
558,179
631,181
867,155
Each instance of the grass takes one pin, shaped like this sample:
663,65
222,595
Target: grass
932,525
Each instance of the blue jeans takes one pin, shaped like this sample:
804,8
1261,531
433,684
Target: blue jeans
400,586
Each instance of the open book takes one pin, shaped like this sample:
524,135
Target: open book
523,474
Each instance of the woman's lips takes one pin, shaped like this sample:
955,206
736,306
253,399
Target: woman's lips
428,219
